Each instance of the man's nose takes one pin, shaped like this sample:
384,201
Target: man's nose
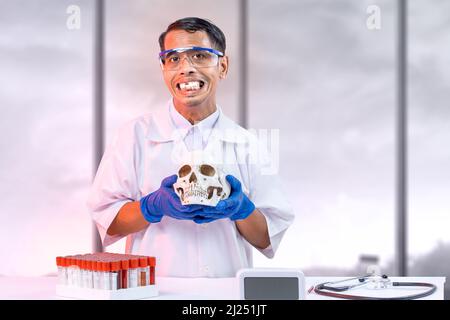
186,66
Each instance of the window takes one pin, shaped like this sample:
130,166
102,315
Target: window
330,81
46,162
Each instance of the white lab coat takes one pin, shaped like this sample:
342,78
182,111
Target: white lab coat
148,149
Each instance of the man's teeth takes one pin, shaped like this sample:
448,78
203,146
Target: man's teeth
192,85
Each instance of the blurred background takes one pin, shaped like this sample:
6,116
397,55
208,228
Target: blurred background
317,71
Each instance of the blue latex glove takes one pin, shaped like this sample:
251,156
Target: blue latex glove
237,206
165,201
202,219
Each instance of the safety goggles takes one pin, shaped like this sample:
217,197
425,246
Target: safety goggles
199,57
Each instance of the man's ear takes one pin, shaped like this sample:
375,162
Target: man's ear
223,67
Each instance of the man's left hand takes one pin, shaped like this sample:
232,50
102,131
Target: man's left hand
237,206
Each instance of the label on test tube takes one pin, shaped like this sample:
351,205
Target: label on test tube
64,270
78,272
114,275
81,266
90,280
133,273
60,269
72,280
83,271
100,274
80,280
96,274
106,278
68,271
142,278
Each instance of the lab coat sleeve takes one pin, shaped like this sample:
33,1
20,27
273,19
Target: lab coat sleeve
115,183
266,192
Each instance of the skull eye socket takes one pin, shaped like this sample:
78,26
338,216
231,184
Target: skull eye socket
207,170
184,171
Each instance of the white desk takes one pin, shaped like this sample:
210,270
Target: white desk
43,288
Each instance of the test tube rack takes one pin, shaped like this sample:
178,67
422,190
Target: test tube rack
98,294
106,276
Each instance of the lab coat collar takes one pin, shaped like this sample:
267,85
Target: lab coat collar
183,125
162,128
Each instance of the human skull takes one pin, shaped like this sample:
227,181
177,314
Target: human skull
201,184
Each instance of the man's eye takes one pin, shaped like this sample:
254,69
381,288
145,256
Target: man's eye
173,59
199,56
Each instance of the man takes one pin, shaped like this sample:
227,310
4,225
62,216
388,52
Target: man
133,195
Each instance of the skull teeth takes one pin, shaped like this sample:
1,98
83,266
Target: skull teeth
195,190
201,194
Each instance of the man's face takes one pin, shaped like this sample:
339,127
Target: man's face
208,77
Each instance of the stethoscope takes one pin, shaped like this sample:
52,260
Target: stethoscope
373,282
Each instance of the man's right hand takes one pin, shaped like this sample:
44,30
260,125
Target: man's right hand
165,201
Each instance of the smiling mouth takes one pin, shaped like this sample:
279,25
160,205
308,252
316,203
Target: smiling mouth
191,86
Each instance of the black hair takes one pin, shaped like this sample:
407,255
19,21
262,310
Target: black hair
193,24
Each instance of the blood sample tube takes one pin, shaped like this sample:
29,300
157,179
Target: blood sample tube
143,270
125,265
73,271
83,273
133,273
114,275
90,283
152,263
78,271
68,270
96,274
74,268
60,269
101,272
106,277
64,270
